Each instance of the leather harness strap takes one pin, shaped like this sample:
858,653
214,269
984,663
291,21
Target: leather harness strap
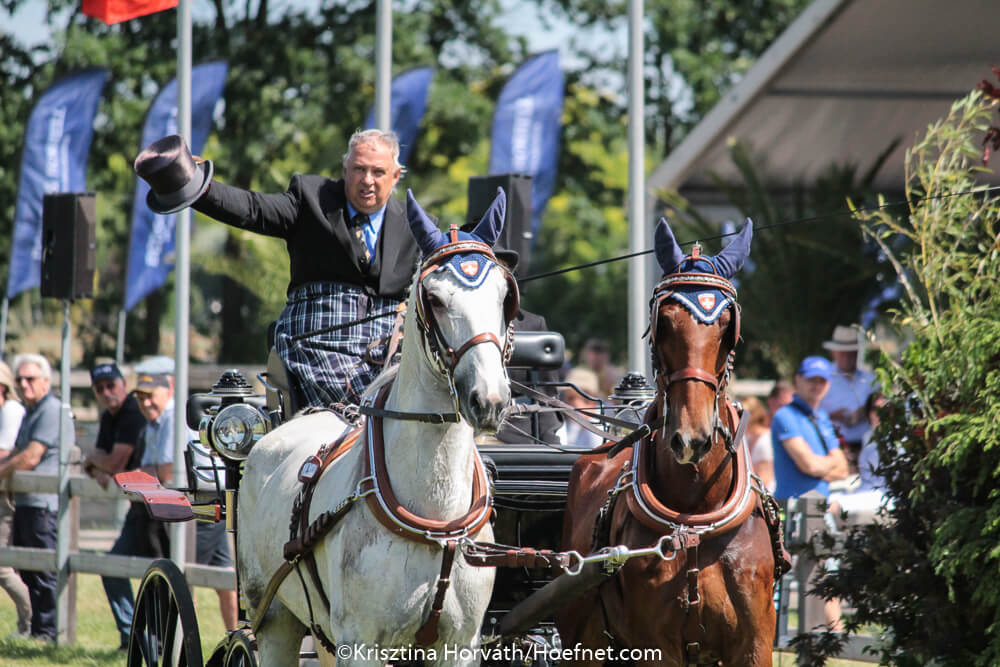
427,634
304,535
400,521
653,514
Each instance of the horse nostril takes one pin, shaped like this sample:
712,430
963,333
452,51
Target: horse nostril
677,443
476,403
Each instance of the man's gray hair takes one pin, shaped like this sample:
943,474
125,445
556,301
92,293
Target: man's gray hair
43,364
374,137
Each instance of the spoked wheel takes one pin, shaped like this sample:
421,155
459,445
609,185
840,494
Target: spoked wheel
241,650
163,609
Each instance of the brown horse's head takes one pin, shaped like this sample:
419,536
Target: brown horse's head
694,326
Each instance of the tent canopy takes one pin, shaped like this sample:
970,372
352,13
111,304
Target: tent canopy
837,87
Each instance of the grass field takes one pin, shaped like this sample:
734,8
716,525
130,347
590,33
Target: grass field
97,638
96,635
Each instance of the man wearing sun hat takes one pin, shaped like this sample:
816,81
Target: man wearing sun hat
850,387
809,455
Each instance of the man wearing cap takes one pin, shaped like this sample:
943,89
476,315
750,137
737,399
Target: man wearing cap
118,434
850,387
141,535
349,245
155,393
809,456
37,448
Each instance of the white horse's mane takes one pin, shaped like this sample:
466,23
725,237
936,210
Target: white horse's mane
391,370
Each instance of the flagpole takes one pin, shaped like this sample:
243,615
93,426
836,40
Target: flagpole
3,328
638,355
178,534
120,339
383,63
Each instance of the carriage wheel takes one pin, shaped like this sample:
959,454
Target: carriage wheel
241,650
164,601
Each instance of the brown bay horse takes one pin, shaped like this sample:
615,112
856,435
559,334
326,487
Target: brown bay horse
710,601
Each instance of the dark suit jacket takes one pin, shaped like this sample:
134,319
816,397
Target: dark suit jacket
311,216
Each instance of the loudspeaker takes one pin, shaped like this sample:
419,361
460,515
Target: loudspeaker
516,233
69,244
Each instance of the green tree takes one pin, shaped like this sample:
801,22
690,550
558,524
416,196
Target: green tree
928,573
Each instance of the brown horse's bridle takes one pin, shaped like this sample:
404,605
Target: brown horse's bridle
443,355
663,291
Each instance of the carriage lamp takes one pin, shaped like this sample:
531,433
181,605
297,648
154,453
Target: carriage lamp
632,395
236,429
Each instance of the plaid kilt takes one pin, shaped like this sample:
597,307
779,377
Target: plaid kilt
332,367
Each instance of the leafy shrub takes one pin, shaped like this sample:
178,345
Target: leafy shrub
929,575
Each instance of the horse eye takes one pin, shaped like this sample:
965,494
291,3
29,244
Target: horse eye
434,301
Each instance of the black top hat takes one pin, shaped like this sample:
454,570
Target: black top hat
175,180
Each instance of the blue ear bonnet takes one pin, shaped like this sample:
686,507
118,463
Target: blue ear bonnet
704,302
470,268
708,293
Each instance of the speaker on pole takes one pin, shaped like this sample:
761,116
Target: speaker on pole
517,225
69,244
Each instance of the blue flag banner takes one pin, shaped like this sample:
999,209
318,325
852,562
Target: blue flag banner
54,159
526,127
407,103
152,241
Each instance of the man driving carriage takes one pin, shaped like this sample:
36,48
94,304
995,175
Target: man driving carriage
351,254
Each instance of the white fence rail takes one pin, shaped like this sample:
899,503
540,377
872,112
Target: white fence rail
68,540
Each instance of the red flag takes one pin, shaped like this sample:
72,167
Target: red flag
116,11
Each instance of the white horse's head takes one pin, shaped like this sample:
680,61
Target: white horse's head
465,301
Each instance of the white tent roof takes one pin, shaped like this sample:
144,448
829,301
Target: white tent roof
844,80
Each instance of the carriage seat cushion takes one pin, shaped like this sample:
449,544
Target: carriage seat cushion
277,376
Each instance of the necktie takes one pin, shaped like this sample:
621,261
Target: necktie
358,223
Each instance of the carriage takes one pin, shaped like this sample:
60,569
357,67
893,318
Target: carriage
385,577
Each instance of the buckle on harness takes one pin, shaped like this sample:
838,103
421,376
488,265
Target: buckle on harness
310,469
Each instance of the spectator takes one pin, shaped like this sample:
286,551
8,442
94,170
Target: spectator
809,456
869,497
11,414
117,450
758,439
597,357
761,448
141,535
156,399
850,387
349,245
37,448
573,433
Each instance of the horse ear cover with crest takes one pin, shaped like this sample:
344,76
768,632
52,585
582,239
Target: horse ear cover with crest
727,263
429,238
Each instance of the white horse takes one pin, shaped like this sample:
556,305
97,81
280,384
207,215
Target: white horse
380,584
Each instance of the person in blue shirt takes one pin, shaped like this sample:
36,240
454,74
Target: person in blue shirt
809,455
